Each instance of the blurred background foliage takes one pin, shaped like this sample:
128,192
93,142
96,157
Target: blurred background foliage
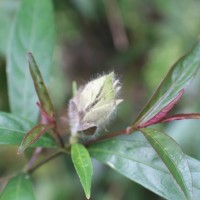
140,40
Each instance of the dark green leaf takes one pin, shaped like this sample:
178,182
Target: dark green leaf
40,87
33,135
171,88
138,161
13,129
173,157
83,166
18,188
33,30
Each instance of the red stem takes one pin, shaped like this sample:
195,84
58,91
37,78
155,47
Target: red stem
45,117
128,130
180,117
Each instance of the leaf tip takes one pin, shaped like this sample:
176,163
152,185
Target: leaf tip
29,55
88,195
20,150
30,58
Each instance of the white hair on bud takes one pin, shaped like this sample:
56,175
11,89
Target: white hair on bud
94,104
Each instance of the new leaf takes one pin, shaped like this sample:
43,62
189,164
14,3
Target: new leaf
33,135
13,129
171,88
40,88
83,166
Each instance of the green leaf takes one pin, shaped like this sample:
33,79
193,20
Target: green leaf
13,129
173,157
40,87
18,188
138,161
33,135
74,88
83,166
171,88
6,18
33,30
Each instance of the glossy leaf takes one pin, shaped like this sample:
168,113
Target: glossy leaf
83,166
171,88
13,129
138,161
33,135
173,157
18,188
33,30
40,87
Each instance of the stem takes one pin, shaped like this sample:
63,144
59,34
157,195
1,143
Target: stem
37,151
56,154
128,130
46,119
180,117
62,144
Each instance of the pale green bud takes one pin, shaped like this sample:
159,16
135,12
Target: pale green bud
93,105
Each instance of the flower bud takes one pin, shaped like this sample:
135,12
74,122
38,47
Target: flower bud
93,105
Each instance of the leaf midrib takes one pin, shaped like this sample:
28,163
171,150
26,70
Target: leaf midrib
174,165
18,186
128,158
83,168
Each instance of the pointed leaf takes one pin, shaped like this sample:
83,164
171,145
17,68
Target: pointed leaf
138,161
173,157
83,166
171,88
33,135
13,129
40,87
33,30
18,188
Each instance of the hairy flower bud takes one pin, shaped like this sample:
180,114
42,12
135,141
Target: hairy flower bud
93,105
